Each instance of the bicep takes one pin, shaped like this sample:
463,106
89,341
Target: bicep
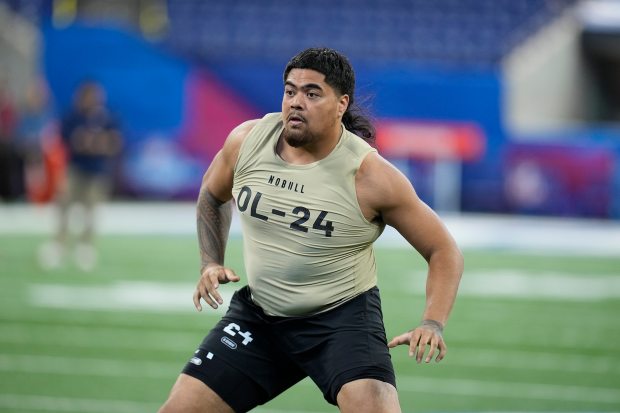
418,224
403,210
218,179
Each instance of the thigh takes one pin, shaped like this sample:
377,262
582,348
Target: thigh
75,188
241,361
96,190
190,395
342,345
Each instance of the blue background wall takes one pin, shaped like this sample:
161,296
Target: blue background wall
148,88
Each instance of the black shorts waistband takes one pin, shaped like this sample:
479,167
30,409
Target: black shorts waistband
245,294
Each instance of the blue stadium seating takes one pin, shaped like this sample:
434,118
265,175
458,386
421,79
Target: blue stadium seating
449,32
463,32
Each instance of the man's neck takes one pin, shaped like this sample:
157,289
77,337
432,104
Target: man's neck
307,154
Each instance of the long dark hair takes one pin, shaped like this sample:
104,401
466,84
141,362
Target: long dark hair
340,76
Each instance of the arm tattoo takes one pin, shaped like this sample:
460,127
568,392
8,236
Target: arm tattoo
213,222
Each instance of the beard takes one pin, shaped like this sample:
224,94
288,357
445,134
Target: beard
298,138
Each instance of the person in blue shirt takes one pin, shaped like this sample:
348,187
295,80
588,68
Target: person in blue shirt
91,137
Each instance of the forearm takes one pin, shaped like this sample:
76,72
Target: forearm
444,275
213,223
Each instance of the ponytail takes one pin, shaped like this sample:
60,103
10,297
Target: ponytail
356,121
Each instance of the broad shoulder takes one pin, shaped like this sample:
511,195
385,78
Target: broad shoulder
238,134
235,139
218,179
381,186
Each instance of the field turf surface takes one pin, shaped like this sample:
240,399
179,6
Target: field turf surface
528,332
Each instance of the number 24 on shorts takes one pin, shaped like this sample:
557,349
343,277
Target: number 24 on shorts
233,329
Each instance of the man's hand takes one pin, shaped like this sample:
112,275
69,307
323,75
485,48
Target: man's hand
430,333
210,280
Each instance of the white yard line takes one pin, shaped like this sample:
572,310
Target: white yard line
167,297
501,232
531,285
121,296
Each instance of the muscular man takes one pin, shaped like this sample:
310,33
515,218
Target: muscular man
313,196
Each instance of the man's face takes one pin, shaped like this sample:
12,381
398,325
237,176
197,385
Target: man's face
311,109
91,97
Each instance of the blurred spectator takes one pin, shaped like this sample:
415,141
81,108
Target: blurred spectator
92,138
35,129
10,167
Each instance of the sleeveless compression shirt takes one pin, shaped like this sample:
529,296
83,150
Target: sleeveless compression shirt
307,245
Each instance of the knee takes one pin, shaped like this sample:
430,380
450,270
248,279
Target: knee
368,395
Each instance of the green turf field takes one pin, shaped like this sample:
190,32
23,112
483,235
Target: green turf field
114,340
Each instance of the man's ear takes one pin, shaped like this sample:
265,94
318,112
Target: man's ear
343,104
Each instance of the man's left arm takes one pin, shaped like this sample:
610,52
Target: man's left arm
425,231
397,205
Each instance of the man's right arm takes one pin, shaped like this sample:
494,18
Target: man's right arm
213,218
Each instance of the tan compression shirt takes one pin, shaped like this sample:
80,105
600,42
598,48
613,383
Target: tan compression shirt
307,245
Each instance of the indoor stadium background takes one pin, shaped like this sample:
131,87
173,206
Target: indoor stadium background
505,115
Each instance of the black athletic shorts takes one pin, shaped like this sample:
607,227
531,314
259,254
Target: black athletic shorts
249,357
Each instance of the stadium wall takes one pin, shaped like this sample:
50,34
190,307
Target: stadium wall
176,114
548,86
